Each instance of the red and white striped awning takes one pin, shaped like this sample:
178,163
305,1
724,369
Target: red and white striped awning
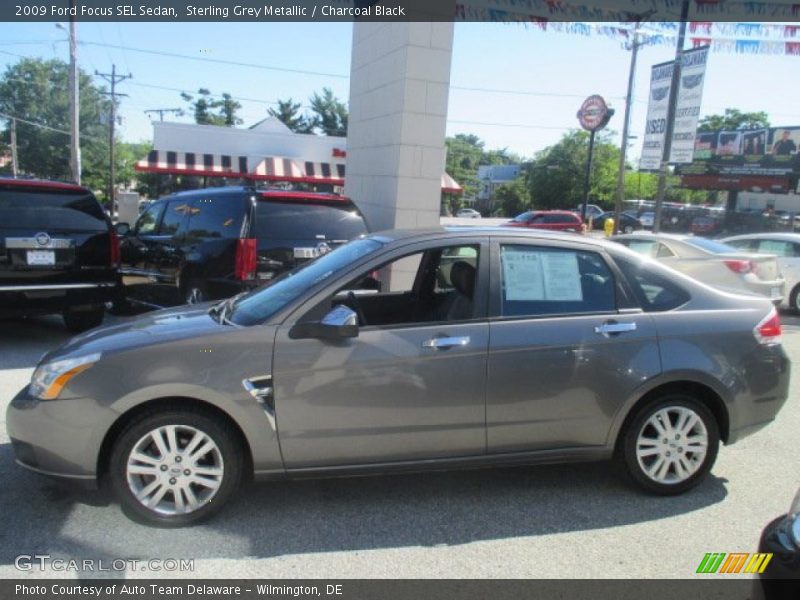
270,168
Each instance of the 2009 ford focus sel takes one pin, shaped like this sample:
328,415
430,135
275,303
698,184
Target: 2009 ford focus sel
410,350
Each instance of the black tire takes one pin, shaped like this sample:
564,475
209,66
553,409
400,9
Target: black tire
79,321
195,291
671,402
794,299
222,434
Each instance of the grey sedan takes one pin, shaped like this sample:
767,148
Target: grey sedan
435,349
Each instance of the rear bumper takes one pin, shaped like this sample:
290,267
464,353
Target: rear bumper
774,290
34,298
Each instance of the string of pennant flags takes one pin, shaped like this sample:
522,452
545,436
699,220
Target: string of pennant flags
740,38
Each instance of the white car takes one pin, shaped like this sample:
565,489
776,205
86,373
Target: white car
468,213
786,246
711,262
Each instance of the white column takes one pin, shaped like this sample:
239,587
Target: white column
399,83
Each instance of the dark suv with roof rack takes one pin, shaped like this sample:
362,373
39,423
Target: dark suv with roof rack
216,242
58,252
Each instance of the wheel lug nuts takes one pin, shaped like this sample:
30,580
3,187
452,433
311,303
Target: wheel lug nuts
178,459
680,449
677,437
669,454
666,441
173,481
163,467
187,472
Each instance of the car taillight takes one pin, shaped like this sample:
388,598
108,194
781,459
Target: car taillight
115,256
245,260
741,267
769,330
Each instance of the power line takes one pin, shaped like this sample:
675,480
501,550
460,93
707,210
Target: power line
42,125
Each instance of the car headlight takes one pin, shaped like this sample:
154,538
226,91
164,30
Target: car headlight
794,520
50,378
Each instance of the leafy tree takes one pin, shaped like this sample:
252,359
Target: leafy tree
37,90
512,198
288,112
210,111
330,113
734,119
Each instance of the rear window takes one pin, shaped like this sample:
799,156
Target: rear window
293,220
51,211
654,292
710,245
210,217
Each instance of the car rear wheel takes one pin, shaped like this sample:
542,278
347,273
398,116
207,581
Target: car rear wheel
77,321
175,468
671,444
794,299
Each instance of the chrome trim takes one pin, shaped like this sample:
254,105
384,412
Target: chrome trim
445,342
263,395
609,328
59,286
31,243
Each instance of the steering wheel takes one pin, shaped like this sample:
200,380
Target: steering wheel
353,299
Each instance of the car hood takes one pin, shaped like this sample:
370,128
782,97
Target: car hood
154,328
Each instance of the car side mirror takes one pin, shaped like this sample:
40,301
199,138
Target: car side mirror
340,323
122,229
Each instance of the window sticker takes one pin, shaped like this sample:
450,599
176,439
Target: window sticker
562,279
530,276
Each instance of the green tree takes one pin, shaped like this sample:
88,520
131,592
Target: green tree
512,198
330,114
556,179
37,90
734,119
288,112
210,111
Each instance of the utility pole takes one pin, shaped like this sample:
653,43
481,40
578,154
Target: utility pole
74,100
113,79
14,165
670,128
176,111
625,128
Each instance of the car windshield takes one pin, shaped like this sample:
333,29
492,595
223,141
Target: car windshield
523,217
710,246
259,305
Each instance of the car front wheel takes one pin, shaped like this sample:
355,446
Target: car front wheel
671,444
176,467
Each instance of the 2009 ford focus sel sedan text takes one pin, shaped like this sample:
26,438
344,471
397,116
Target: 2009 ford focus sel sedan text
410,350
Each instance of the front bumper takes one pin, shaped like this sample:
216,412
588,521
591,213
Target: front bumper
60,438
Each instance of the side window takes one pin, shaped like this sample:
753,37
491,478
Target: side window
663,251
653,292
174,216
749,245
539,281
148,221
538,219
643,247
214,217
435,285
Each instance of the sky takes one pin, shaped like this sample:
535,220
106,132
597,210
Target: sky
539,78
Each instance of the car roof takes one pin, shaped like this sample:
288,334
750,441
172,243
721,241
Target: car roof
43,185
787,237
263,193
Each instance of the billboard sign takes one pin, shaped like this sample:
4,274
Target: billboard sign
687,108
656,126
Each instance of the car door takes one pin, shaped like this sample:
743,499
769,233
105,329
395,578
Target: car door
168,251
567,348
137,248
406,388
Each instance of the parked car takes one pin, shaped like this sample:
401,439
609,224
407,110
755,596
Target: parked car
786,247
213,243
531,347
555,220
781,577
647,219
468,213
58,252
711,262
592,211
627,224
705,225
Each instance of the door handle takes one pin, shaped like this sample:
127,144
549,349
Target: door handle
611,328
440,343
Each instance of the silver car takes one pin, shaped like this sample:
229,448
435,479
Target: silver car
712,262
401,350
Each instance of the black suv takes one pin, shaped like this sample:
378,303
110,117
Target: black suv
213,243
58,252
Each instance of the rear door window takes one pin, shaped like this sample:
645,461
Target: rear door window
174,217
293,220
654,292
215,217
51,211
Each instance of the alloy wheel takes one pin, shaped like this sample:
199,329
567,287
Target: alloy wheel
175,469
672,445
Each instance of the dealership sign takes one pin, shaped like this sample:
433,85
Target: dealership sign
594,113
687,109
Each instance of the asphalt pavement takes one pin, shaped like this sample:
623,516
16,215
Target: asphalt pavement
560,521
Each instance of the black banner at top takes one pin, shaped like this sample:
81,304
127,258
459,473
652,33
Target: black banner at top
538,12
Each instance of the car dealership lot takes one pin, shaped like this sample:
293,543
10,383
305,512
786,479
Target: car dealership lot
547,521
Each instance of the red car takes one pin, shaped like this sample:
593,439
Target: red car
554,220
